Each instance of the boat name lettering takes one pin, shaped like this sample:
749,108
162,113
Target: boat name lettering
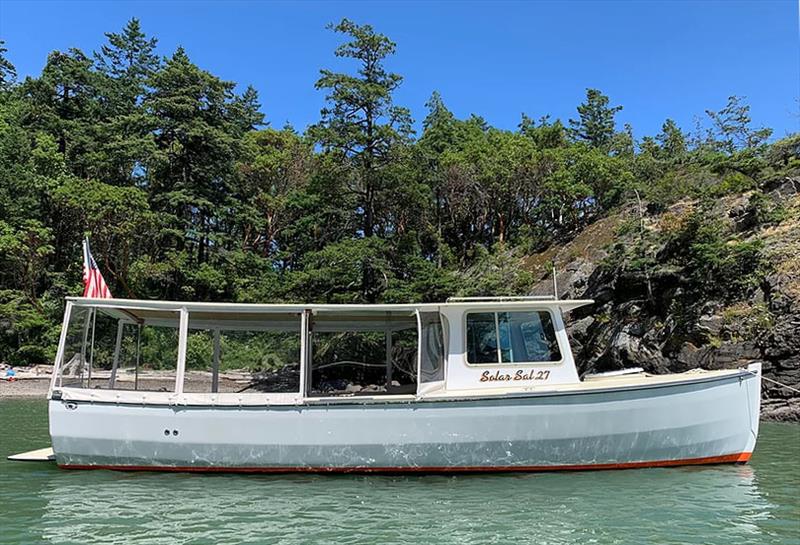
497,376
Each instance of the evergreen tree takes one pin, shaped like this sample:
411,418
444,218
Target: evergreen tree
129,60
595,124
125,65
671,140
623,143
247,110
439,126
8,73
197,139
362,126
731,127
64,103
544,133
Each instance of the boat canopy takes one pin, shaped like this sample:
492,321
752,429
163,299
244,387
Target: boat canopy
136,305
175,351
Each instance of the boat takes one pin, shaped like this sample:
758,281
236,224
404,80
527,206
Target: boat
468,385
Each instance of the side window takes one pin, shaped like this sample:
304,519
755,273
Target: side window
433,349
511,337
481,338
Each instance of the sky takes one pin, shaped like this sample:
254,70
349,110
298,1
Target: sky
495,59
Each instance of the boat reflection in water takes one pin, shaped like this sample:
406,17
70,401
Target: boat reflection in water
719,504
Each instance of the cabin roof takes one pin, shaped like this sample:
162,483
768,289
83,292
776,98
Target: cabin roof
247,308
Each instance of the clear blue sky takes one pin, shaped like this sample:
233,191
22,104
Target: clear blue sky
657,59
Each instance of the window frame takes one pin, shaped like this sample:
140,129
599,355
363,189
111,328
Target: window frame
93,306
444,324
500,363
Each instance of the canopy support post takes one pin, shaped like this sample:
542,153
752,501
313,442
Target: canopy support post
419,351
215,368
91,350
183,333
62,341
305,351
388,358
112,380
138,355
84,342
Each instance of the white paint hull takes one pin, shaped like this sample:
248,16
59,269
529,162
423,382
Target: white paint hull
695,420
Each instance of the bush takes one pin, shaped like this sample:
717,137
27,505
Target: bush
765,210
717,263
735,182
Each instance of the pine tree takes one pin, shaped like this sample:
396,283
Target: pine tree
361,125
596,120
547,135
64,103
124,66
247,109
129,59
731,126
197,139
8,73
671,140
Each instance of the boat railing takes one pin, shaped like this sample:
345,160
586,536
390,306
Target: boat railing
500,298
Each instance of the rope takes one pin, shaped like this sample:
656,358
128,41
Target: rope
781,384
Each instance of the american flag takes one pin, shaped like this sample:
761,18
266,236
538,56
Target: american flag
93,282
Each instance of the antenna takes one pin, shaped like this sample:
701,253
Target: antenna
555,280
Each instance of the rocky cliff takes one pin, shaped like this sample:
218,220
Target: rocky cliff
711,284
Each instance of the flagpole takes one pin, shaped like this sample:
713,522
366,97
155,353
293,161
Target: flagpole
86,269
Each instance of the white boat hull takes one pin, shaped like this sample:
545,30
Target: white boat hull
693,421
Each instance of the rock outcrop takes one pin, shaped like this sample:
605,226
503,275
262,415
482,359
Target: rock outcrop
658,320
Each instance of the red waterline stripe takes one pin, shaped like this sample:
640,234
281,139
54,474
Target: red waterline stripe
741,457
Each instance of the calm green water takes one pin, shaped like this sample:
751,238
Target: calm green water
752,504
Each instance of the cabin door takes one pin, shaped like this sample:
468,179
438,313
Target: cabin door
431,355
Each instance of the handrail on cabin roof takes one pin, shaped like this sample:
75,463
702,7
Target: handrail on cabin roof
501,298
174,306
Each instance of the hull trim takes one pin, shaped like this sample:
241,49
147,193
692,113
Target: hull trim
738,458
98,397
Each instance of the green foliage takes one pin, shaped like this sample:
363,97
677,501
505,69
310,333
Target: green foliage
716,261
731,129
361,126
495,273
8,73
784,156
545,134
765,210
253,351
672,141
595,124
187,195
750,322
736,182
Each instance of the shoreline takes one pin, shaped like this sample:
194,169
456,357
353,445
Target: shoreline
34,382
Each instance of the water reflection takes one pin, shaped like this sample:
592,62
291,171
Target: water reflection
757,503
681,505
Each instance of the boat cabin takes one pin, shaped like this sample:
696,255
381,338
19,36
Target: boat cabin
180,353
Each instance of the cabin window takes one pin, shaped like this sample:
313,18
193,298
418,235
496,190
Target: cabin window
362,354
73,369
107,348
511,338
432,353
242,353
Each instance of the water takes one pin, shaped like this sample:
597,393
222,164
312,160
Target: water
751,504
